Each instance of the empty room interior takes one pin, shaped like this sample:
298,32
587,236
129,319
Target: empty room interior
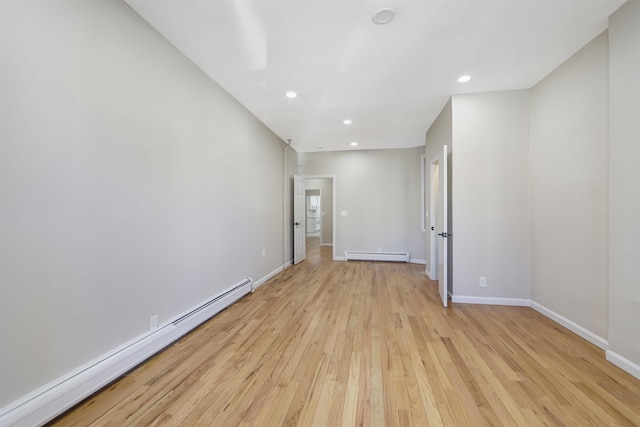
319,213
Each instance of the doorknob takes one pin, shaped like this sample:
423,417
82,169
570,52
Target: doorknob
296,223
443,234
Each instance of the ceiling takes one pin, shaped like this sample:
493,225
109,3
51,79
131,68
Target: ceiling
391,80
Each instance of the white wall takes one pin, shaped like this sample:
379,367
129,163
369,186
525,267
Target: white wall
490,190
374,187
569,188
132,185
624,183
438,135
325,185
571,239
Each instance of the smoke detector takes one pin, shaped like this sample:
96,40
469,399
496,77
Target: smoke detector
383,16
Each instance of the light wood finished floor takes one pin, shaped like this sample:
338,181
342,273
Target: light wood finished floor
359,343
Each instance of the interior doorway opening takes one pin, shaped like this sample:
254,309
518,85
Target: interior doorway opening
313,204
320,210
316,214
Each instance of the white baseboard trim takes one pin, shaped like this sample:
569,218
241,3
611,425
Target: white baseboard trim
51,400
623,363
417,261
572,326
339,258
428,273
262,280
326,244
461,299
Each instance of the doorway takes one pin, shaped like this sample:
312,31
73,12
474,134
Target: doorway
318,214
313,204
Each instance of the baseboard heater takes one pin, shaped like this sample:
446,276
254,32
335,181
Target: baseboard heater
54,398
243,288
376,256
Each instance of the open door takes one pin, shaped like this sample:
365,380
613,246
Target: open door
299,220
443,273
434,199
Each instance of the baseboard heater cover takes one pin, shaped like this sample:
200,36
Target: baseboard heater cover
202,309
51,400
376,256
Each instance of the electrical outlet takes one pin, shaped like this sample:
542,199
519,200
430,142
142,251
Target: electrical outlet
153,323
264,253
483,282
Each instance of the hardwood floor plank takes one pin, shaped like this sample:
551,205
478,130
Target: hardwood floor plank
329,343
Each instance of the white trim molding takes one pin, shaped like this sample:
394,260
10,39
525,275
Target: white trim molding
428,273
262,280
572,326
417,261
623,363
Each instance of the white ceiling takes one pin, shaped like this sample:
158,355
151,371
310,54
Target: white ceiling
391,80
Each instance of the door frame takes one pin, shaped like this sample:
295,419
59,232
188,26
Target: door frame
334,209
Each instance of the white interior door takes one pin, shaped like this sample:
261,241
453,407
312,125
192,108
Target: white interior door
443,275
434,200
299,220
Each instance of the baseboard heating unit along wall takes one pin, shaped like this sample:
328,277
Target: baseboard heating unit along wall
376,256
56,397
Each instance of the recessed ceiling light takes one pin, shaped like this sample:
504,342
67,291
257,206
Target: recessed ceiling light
383,16
464,79
353,144
291,94
347,122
